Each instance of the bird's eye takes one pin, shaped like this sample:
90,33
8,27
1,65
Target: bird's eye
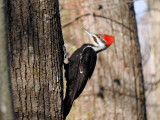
94,38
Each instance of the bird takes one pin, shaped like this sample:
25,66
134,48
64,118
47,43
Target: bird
81,65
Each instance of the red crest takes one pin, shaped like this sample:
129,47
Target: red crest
109,39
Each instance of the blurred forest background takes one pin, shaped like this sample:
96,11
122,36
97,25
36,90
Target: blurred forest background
148,26
126,82
115,89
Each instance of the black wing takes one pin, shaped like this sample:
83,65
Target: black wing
86,67
80,68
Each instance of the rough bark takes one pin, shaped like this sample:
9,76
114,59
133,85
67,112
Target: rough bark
35,45
6,107
116,89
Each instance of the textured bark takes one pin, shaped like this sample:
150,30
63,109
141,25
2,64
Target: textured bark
152,68
6,107
35,45
116,89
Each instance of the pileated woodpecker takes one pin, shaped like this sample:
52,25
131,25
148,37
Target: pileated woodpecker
81,66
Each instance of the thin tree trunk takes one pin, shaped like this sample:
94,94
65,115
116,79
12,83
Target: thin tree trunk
116,89
6,107
35,44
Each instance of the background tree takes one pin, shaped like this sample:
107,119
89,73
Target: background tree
6,107
36,55
116,89
150,27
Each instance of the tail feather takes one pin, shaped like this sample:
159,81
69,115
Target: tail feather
67,105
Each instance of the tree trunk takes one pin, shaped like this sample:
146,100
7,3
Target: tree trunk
116,89
36,53
6,107
152,68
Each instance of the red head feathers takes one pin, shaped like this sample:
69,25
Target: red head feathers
109,39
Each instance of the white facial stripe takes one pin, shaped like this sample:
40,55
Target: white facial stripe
99,48
99,41
92,39
99,44
90,36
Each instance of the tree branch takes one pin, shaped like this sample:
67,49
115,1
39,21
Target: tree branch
74,19
94,15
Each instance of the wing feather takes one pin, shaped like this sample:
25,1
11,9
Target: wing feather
80,68
86,68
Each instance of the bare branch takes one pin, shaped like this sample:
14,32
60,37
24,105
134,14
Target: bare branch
94,15
74,19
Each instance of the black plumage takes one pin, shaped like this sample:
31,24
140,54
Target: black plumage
81,66
79,69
